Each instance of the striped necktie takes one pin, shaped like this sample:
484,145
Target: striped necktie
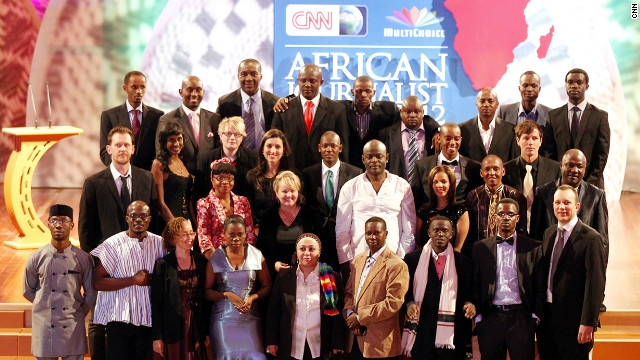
413,155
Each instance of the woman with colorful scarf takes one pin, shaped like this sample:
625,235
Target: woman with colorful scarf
304,319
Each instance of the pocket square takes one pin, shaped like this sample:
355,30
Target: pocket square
210,134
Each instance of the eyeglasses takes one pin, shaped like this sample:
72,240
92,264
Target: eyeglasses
229,179
185,235
139,216
59,221
507,215
232,134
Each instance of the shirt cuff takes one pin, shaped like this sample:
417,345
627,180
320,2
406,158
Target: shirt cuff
478,318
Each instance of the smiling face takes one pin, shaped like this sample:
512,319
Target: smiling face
308,252
573,168
565,205
441,184
60,227
121,148
135,89
440,232
273,150
450,141
287,195
330,148
222,184
175,143
138,218
184,239
191,92
249,75
235,236
375,234
492,171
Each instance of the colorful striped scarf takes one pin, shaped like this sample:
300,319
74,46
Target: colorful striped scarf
328,283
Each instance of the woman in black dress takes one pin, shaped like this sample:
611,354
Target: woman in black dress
442,188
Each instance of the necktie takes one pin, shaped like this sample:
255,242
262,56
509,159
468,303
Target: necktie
250,125
328,189
195,124
135,125
493,207
557,251
413,155
308,116
450,163
508,240
527,191
575,124
125,198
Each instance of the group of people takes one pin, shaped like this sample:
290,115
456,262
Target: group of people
303,227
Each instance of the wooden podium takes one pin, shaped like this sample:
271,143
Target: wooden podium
30,144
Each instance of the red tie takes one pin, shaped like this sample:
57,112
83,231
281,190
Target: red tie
135,126
308,116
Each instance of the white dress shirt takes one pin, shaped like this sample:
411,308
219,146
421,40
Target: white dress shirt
116,177
457,170
568,228
487,135
130,108
507,289
335,169
315,101
306,325
358,202
580,106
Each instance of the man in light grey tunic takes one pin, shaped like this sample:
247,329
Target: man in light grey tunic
54,278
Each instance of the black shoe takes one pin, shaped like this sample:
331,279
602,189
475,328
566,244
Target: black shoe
603,308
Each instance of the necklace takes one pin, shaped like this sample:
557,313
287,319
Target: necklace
176,166
289,217
190,263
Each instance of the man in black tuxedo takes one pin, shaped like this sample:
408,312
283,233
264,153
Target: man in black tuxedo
508,288
596,215
322,184
467,171
529,170
486,134
103,203
399,138
528,108
309,116
429,266
575,259
250,102
200,126
579,125
134,115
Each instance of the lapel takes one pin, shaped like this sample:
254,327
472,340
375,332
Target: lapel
319,189
475,136
501,132
493,249
377,267
237,100
395,150
147,125
351,119
184,122
111,185
522,266
374,120
568,247
321,113
584,123
562,129
123,116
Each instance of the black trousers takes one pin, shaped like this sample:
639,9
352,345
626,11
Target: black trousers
500,331
97,339
556,341
128,342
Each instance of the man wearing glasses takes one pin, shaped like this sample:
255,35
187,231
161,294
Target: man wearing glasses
508,288
124,264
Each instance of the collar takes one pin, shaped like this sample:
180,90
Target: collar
580,106
188,111
377,253
116,174
436,255
492,124
441,158
130,107
514,236
315,101
52,249
521,109
356,109
315,272
334,169
568,227
257,97
523,163
498,190
403,127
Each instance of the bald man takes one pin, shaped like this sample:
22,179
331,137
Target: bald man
486,133
200,126
309,116
409,140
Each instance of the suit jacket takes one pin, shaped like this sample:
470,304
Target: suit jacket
470,178
191,152
579,280
593,212
231,105
314,194
548,170
509,113
246,159
329,116
503,143
383,114
101,212
166,301
531,274
379,303
282,314
425,340
593,139
145,150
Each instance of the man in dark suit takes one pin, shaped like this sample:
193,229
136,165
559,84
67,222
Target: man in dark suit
575,258
428,270
487,134
409,140
579,125
200,126
482,203
467,171
250,102
529,170
322,184
103,203
134,115
528,108
508,288
309,116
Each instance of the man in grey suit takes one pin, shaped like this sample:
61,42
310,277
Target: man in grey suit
579,125
134,115
250,102
528,108
200,126
486,134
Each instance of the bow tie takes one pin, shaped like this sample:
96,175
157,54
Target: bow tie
508,240
452,163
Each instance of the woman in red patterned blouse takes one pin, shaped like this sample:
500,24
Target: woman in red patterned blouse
220,203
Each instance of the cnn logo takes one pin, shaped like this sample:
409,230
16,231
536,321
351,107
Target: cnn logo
304,20
313,20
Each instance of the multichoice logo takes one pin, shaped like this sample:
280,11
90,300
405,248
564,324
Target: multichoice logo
414,19
326,20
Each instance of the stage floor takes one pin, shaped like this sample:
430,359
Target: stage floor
623,273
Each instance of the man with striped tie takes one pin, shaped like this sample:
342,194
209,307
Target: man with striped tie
123,268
